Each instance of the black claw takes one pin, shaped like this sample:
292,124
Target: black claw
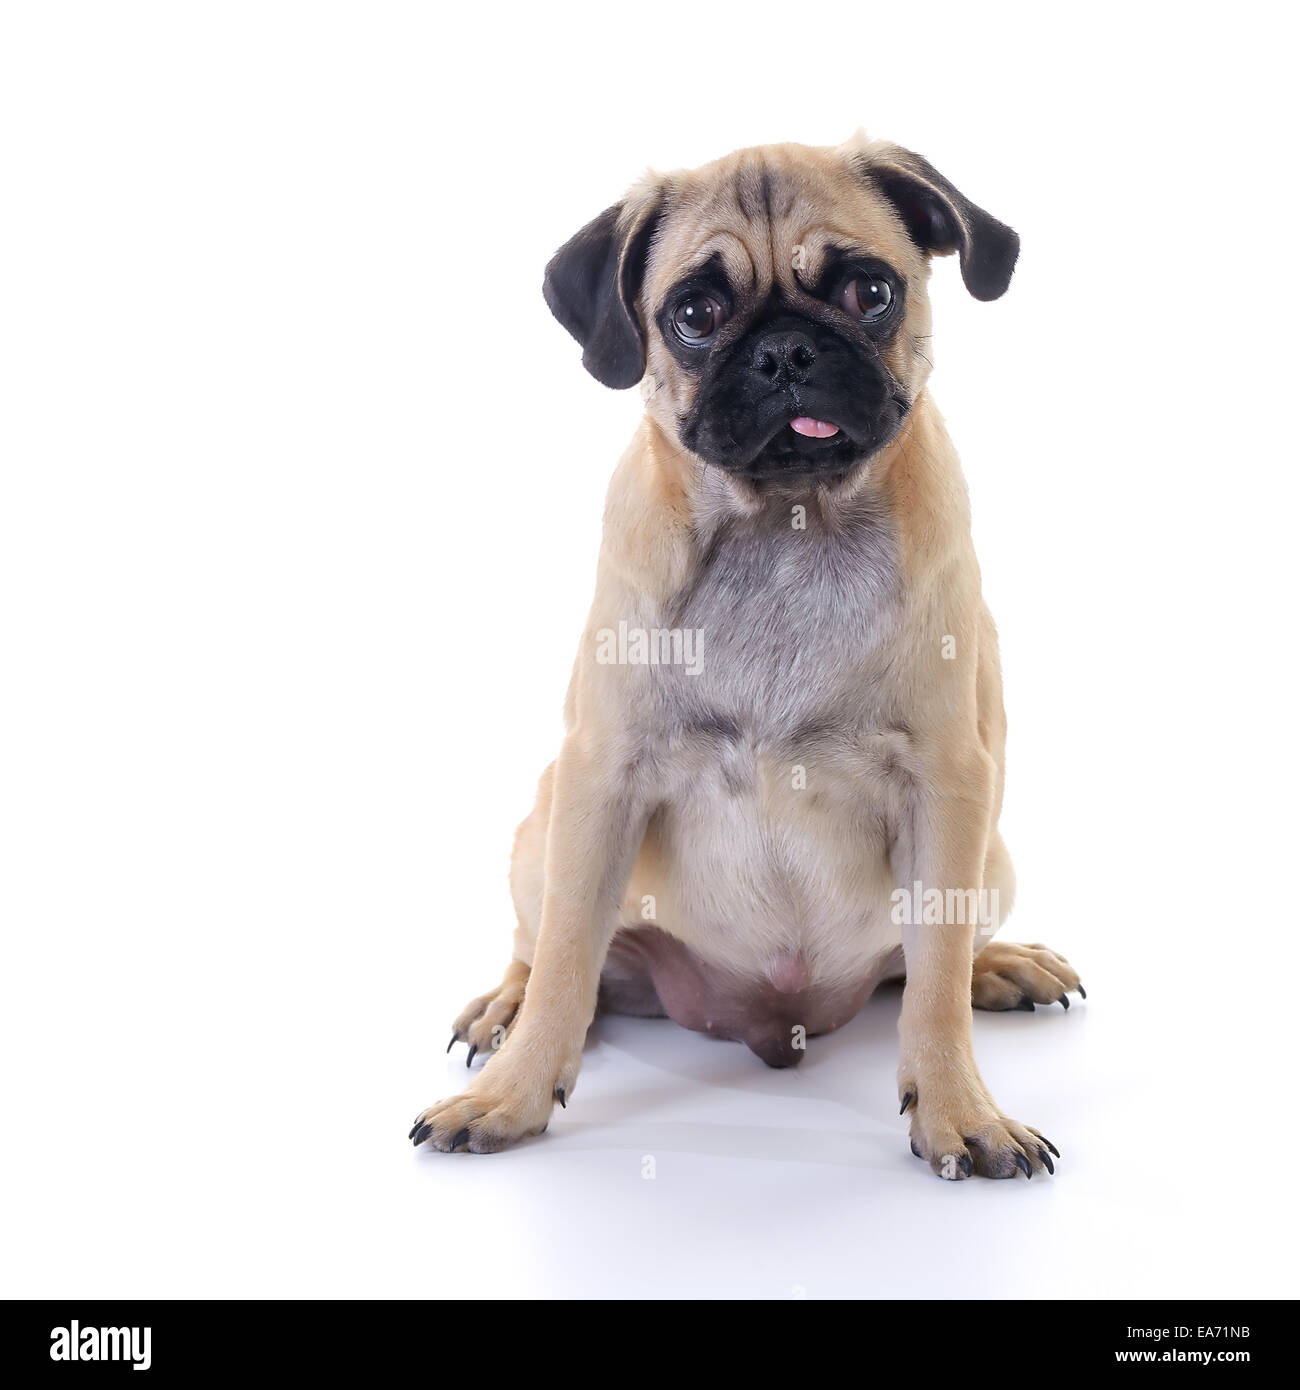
418,1136
915,1150
907,1100
1026,1005
461,1137
1050,1145
1083,993
452,1043
966,1165
473,1048
559,1095
1047,1162
1024,1164
1064,1002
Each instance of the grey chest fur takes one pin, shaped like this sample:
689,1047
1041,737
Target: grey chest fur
796,613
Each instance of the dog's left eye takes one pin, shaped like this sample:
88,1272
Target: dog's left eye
697,318
867,297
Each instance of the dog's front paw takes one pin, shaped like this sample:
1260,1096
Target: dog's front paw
481,1120
506,1102
962,1133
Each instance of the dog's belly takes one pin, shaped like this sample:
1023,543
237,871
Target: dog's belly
760,905
650,972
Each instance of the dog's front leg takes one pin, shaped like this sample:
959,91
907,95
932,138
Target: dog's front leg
956,1123
595,826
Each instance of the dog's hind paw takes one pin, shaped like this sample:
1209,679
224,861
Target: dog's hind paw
1008,975
485,1022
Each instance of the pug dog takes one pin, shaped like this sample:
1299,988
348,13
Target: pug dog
783,766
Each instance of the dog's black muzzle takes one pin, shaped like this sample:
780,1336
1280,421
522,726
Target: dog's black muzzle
788,369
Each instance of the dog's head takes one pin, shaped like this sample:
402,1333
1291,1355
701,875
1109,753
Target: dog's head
775,299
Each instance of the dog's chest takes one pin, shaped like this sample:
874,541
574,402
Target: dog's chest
793,614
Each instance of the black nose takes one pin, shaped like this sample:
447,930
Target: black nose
784,355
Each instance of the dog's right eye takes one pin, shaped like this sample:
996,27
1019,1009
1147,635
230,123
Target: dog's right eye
697,318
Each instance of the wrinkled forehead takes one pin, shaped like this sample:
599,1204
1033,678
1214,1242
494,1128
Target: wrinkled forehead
750,212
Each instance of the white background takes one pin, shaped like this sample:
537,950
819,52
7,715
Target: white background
301,497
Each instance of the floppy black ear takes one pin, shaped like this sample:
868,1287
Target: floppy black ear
591,286
942,220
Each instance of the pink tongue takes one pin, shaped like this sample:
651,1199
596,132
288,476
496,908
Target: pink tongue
814,429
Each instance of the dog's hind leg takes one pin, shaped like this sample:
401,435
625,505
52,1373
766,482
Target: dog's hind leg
485,1022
